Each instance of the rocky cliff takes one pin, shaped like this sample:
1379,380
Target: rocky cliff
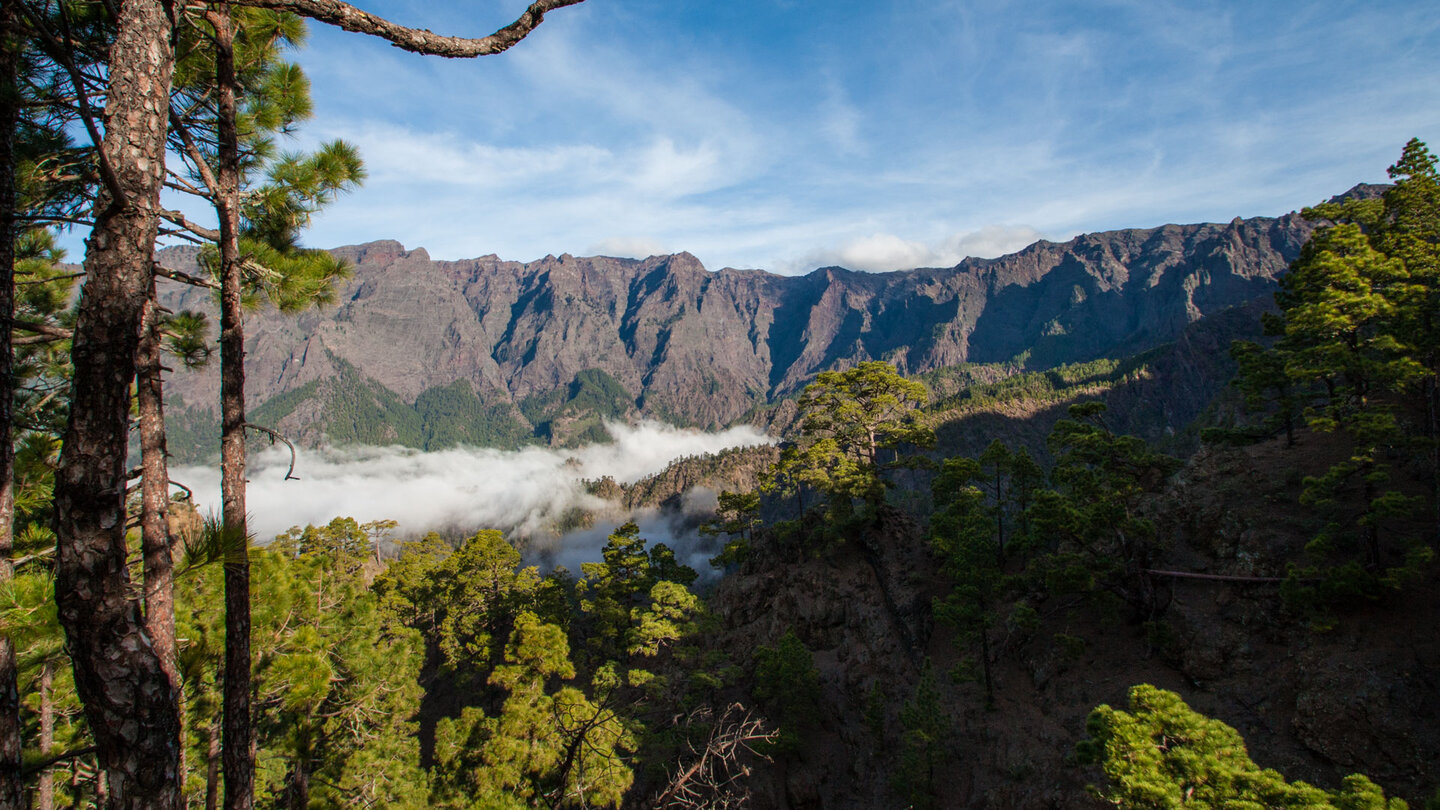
665,337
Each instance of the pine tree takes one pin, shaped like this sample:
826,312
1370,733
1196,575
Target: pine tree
864,411
1359,326
1163,754
1096,536
965,537
557,747
233,94
125,689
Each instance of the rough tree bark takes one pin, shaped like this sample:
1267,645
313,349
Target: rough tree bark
157,547
155,542
129,699
11,784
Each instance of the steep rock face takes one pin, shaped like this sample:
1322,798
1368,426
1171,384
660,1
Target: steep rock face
701,347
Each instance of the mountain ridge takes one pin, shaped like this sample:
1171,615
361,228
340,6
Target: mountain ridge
699,347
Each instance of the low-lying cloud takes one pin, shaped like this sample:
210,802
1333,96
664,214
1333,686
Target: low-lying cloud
454,491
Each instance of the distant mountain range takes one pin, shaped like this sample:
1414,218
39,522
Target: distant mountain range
431,353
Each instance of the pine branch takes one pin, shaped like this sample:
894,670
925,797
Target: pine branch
184,278
61,55
416,40
177,218
39,765
52,332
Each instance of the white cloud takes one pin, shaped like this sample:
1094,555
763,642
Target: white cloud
667,170
628,247
463,489
881,252
989,242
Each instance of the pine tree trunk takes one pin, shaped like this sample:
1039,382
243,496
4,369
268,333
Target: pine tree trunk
239,737
982,626
300,783
45,791
1432,428
11,784
129,700
212,769
155,540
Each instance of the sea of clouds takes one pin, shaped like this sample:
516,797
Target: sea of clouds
462,490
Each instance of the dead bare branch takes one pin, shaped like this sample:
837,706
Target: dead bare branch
275,436
716,776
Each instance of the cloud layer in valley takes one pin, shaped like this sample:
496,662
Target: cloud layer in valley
456,491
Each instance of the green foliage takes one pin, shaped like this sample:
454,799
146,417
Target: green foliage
454,415
963,535
337,681
1358,342
737,514
1263,379
553,747
574,415
359,410
1162,754
1094,534
865,410
464,602
538,726
636,601
986,387
44,297
788,686
281,192
856,426
925,731
44,676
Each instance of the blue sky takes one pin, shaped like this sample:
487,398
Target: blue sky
790,134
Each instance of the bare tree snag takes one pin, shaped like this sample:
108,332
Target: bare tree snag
275,436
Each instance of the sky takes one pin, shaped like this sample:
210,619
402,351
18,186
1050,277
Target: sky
874,134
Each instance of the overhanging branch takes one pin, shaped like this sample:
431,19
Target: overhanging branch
416,40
